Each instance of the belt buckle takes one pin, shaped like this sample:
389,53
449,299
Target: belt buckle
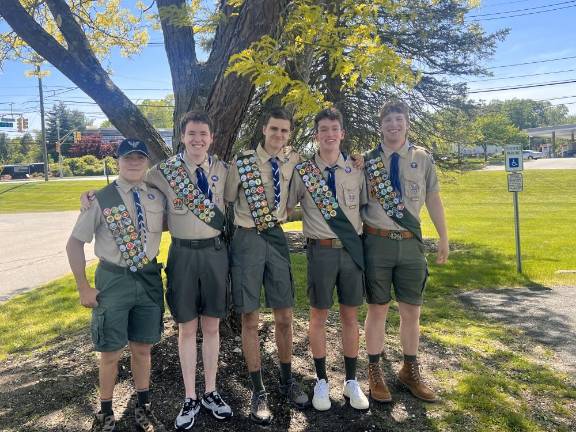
337,243
395,235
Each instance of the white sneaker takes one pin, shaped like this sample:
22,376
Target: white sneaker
321,399
358,399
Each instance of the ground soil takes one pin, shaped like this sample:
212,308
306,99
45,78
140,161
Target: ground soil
55,390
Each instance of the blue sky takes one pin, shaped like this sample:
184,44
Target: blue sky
534,36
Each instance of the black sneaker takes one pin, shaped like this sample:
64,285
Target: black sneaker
294,394
146,420
104,423
185,419
259,411
216,405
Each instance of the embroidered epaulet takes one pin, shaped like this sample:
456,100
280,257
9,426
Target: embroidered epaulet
425,150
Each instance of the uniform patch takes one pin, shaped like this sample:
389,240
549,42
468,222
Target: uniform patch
414,165
151,196
214,178
348,170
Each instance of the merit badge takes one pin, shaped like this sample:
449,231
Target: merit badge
414,165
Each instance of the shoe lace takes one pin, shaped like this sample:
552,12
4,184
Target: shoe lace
414,371
188,406
215,397
355,388
322,387
375,371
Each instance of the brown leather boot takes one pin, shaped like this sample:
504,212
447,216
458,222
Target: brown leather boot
378,388
409,375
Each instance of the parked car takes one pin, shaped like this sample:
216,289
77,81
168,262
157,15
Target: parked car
569,153
531,154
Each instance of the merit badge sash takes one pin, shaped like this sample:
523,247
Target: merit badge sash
188,194
390,200
122,227
331,210
265,221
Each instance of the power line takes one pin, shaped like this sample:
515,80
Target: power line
523,86
533,62
522,76
525,14
521,10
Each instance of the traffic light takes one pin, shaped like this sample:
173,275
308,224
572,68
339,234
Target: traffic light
77,137
20,124
24,123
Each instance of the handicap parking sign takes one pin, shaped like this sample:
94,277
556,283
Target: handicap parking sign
513,158
514,162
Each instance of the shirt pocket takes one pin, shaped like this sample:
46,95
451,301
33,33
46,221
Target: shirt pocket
351,196
154,218
414,187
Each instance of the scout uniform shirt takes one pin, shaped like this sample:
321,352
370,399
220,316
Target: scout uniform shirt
350,192
92,224
234,193
417,179
182,223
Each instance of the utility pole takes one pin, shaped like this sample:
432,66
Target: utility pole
59,146
44,148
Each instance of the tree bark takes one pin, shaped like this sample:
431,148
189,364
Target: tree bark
230,95
84,70
180,49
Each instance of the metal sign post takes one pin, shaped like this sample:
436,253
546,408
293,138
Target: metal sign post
515,184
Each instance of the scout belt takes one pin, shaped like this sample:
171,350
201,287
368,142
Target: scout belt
390,200
265,221
188,194
122,227
328,205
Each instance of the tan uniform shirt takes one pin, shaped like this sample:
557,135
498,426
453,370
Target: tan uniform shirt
234,192
182,223
417,179
350,192
92,224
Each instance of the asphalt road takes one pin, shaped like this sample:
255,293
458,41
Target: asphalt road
33,250
553,163
546,315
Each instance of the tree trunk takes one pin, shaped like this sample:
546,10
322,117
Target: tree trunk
230,95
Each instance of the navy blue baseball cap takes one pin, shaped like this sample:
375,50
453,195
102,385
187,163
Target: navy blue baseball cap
128,146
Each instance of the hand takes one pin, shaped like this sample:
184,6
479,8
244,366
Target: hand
86,200
88,297
443,251
358,161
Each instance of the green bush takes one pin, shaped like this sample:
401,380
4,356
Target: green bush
84,166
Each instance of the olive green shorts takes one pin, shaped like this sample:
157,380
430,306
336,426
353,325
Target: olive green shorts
197,276
130,306
397,263
255,262
330,267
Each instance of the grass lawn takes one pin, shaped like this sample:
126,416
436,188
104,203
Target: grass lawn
498,379
44,197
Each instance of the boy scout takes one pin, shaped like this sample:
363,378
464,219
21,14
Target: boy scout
401,178
257,184
197,269
330,191
127,304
